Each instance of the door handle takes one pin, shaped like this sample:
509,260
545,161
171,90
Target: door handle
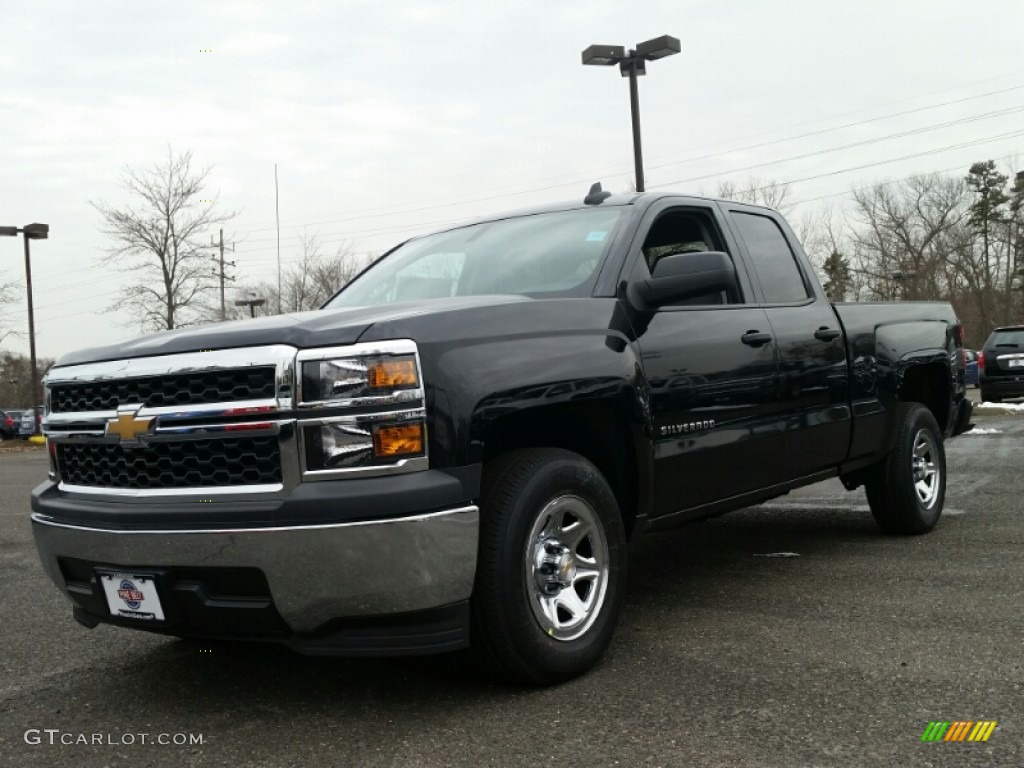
826,334
755,338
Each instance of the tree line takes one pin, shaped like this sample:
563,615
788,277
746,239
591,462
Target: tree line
16,379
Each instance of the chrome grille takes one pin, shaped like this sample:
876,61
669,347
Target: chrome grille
188,424
204,463
172,389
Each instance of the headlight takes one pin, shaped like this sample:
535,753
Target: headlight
342,380
379,440
334,382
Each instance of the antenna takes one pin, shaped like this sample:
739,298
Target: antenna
596,196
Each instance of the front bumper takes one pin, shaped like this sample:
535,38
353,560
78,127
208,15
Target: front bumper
300,583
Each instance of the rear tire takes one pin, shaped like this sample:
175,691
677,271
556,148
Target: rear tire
552,567
986,397
906,489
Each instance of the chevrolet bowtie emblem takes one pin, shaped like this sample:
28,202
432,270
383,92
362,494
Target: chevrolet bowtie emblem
127,426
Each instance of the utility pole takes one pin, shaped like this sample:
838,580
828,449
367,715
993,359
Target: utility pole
223,277
277,219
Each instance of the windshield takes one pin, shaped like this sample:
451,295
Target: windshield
1013,338
547,253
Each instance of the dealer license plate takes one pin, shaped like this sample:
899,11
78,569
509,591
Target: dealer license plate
1017,362
131,596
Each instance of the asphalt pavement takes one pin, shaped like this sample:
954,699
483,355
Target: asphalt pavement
838,656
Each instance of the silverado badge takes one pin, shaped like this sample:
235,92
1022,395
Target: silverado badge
686,428
127,427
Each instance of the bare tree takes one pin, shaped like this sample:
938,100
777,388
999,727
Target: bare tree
158,241
10,292
770,193
309,281
901,235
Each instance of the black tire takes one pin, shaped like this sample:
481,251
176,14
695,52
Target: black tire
898,504
521,490
986,397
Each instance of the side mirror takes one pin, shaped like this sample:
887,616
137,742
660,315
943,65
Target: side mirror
683,276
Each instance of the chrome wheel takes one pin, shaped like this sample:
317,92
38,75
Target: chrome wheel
926,471
566,567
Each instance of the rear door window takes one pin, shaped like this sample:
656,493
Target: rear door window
774,261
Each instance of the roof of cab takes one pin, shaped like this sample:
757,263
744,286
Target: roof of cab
628,198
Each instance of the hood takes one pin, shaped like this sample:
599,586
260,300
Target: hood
319,328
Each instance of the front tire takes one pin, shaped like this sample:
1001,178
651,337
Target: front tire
552,566
906,489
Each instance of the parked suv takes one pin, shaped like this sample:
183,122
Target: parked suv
9,421
26,428
1001,364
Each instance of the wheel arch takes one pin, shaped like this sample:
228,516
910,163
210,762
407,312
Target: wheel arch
601,430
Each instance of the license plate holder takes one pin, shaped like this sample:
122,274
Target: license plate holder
132,595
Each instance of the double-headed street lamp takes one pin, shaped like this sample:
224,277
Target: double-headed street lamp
30,232
632,64
251,303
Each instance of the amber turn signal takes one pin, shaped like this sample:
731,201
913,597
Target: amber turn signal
406,440
388,374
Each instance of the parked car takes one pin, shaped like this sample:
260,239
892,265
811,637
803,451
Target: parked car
25,427
1001,364
459,446
971,367
10,422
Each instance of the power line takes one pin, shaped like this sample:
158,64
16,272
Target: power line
370,213
803,156
841,127
846,192
393,212
830,150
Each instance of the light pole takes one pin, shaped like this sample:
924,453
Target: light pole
901,277
632,65
30,232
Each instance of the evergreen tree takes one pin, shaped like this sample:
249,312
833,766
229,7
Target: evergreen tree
837,274
987,211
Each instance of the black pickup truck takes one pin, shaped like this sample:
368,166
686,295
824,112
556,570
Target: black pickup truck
460,445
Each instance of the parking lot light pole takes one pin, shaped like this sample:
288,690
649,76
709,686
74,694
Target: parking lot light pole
251,303
30,232
632,65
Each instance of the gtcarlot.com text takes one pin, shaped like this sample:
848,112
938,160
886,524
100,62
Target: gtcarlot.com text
55,736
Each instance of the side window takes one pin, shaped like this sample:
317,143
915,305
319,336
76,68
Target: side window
774,261
682,231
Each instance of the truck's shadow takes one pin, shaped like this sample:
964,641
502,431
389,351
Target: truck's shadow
666,571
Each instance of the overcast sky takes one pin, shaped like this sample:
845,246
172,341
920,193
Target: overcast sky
392,118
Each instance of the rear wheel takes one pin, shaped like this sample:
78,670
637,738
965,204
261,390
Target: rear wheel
552,566
988,397
906,489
